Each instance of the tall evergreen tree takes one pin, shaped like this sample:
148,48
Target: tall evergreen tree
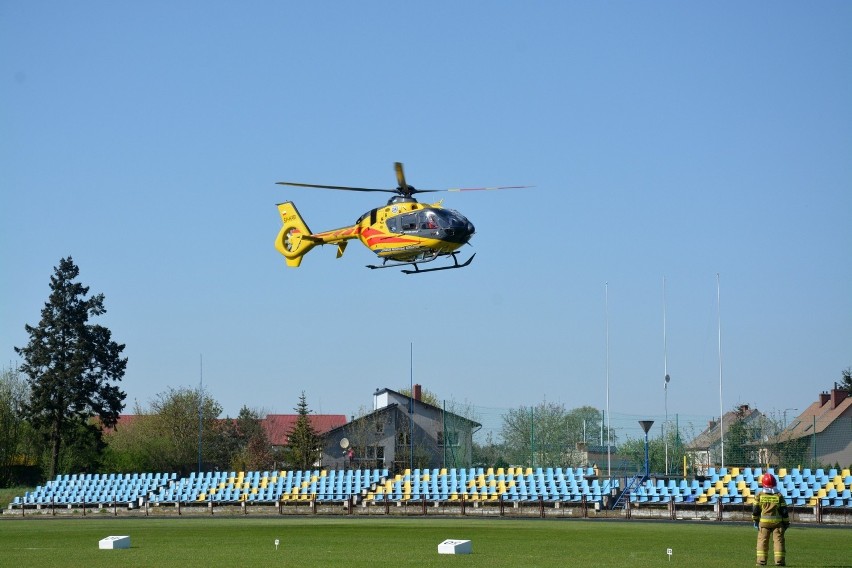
846,380
304,445
71,365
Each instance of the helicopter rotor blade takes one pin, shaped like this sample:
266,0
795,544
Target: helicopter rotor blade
485,188
400,175
338,187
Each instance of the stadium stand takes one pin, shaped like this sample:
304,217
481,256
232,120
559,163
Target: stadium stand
801,487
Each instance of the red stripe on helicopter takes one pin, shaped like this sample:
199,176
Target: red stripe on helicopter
374,237
339,233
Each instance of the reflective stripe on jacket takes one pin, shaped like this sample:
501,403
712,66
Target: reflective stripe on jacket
770,508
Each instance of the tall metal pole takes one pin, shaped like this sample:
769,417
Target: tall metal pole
721,405
200,405
665,379
608,430
411,407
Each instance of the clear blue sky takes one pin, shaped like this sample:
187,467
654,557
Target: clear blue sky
665,140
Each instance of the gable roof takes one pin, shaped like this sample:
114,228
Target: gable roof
819,415
278,426
712,436
403,401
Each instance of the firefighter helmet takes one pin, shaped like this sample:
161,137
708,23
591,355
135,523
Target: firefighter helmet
768,480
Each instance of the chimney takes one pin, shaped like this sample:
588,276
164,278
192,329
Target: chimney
416,394
711,424
823,398
838,396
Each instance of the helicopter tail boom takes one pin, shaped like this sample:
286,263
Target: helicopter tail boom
295,239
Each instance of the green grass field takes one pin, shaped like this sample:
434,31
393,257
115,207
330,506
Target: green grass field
312,541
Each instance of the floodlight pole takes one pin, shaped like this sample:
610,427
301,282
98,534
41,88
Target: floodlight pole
411,406
200,405
646,425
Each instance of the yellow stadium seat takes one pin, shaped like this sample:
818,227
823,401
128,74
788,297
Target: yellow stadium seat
782,472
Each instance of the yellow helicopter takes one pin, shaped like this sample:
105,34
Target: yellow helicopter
402,233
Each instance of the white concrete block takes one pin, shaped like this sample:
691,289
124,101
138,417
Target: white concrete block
114,542
455,547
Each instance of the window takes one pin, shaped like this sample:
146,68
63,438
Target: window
409,222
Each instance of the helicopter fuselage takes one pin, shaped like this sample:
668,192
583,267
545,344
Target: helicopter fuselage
403,231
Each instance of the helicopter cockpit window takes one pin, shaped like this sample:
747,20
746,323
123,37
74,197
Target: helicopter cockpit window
449,218
428,220
393,224
409,222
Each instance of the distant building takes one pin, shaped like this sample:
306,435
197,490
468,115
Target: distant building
279,426
398,424
822,434
706,448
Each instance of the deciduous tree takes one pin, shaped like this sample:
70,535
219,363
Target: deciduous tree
12,425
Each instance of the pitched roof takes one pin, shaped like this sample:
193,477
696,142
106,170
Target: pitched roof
820,414
711,436
419,402
278,426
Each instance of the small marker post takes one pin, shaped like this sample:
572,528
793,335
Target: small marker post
669,552
277,542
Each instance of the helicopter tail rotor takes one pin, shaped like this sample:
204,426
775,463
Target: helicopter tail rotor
293,240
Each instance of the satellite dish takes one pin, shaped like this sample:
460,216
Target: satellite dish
344,443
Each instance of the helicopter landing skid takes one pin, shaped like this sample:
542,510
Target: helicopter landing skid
453,266
417,270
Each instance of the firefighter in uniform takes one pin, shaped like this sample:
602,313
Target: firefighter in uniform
771,520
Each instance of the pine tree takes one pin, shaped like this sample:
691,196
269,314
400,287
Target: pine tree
846,380
70,365
304,445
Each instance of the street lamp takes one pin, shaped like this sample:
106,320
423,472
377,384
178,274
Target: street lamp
646,425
